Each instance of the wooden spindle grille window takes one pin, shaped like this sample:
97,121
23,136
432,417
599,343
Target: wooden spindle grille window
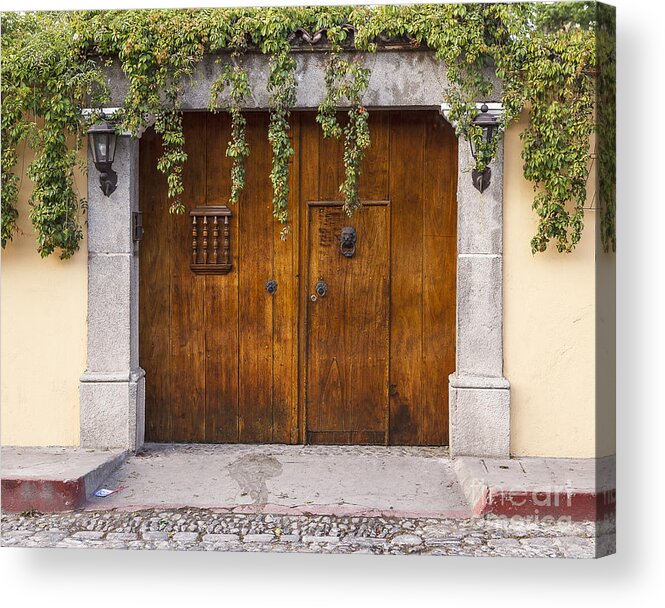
211,240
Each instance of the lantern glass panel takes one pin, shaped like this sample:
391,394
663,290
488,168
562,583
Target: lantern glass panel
488,132
473,148
102,144
92,140
101,147
111,141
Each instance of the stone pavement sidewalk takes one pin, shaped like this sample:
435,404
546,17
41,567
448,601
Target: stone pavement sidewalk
204,530
316,499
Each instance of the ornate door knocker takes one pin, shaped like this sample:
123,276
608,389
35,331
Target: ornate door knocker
347,242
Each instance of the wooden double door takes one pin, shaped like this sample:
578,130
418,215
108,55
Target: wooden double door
342,332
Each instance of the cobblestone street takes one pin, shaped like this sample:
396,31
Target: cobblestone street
203,530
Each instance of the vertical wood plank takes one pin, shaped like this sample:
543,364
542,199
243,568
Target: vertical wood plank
328,386
187,293
367,292
309,160
221,296
348,327
438,336
154,287
439,277
331,164
285,310
256,267
374,170
406,183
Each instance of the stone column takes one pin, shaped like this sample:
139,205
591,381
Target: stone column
479,394
112,389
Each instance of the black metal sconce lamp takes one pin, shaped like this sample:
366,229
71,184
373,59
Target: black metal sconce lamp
488,124
103,137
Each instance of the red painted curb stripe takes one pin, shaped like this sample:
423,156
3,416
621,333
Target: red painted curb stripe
45,495
578,506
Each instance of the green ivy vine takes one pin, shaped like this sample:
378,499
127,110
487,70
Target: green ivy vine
606,124
237,79
347,80
282,90
47,116
554,61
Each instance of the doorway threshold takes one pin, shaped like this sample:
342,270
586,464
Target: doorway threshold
289,480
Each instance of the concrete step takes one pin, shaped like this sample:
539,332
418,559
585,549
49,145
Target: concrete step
574,488
49,479
289,480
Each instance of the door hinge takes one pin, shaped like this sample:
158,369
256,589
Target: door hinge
137,226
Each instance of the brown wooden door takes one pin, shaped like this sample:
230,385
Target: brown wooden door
412,163
220,352
226,361
347,325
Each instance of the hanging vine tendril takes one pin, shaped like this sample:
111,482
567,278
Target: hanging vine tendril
347,81
282,89
237,150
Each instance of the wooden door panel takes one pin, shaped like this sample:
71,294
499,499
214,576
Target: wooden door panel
330,169
439,277
155,292
255,319
369,362
286,311
221,298
346,437
187,299
406,344
347,350
375,175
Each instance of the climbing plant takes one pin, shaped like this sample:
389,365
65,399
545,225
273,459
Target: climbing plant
282,89
528,56
45,82
235,77
606,123
347,80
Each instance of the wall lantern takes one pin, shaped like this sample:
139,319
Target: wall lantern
103,137
489,124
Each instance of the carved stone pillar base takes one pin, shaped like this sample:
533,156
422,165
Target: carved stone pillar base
479,417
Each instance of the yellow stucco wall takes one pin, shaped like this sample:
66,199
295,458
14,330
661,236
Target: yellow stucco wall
43,340
549,334
549,327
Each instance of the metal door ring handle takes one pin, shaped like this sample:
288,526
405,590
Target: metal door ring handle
321,288
347,241
271,286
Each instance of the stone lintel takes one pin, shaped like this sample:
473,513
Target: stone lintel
400,79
